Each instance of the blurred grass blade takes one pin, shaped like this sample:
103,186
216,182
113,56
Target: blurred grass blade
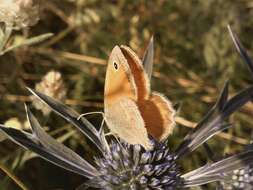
88,184
209,152
148,58
217,171
5,35
13,177
241,50
70,115
29,41
2,136
2,36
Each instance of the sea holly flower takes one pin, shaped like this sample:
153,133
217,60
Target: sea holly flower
129,166
123,166
240,179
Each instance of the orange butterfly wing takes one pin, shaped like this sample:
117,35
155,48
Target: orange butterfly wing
121,112
119,82
158,115
156,110
131,111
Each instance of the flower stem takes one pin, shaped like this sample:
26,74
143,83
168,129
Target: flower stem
13,177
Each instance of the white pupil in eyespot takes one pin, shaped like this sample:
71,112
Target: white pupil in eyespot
115,65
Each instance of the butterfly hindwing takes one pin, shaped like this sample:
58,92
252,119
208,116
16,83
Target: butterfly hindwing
158,115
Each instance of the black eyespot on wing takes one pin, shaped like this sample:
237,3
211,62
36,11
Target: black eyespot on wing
115,65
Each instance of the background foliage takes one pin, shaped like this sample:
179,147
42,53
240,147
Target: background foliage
194,55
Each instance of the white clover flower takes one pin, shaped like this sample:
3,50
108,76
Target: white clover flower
52,85
19,14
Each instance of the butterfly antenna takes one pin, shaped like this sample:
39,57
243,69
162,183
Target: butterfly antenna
95,112
90,113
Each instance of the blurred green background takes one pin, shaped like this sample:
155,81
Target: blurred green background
194,56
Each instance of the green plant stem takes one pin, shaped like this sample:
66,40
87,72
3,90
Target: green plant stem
29,41
13,177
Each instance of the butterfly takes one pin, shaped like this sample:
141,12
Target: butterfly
131,110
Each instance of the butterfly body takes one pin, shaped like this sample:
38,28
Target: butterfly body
131,110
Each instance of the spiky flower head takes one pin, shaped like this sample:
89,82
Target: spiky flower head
19,14
131,167
124,166
241,179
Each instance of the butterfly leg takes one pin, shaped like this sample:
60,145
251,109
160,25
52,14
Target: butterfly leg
101,131
96,112
89,113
